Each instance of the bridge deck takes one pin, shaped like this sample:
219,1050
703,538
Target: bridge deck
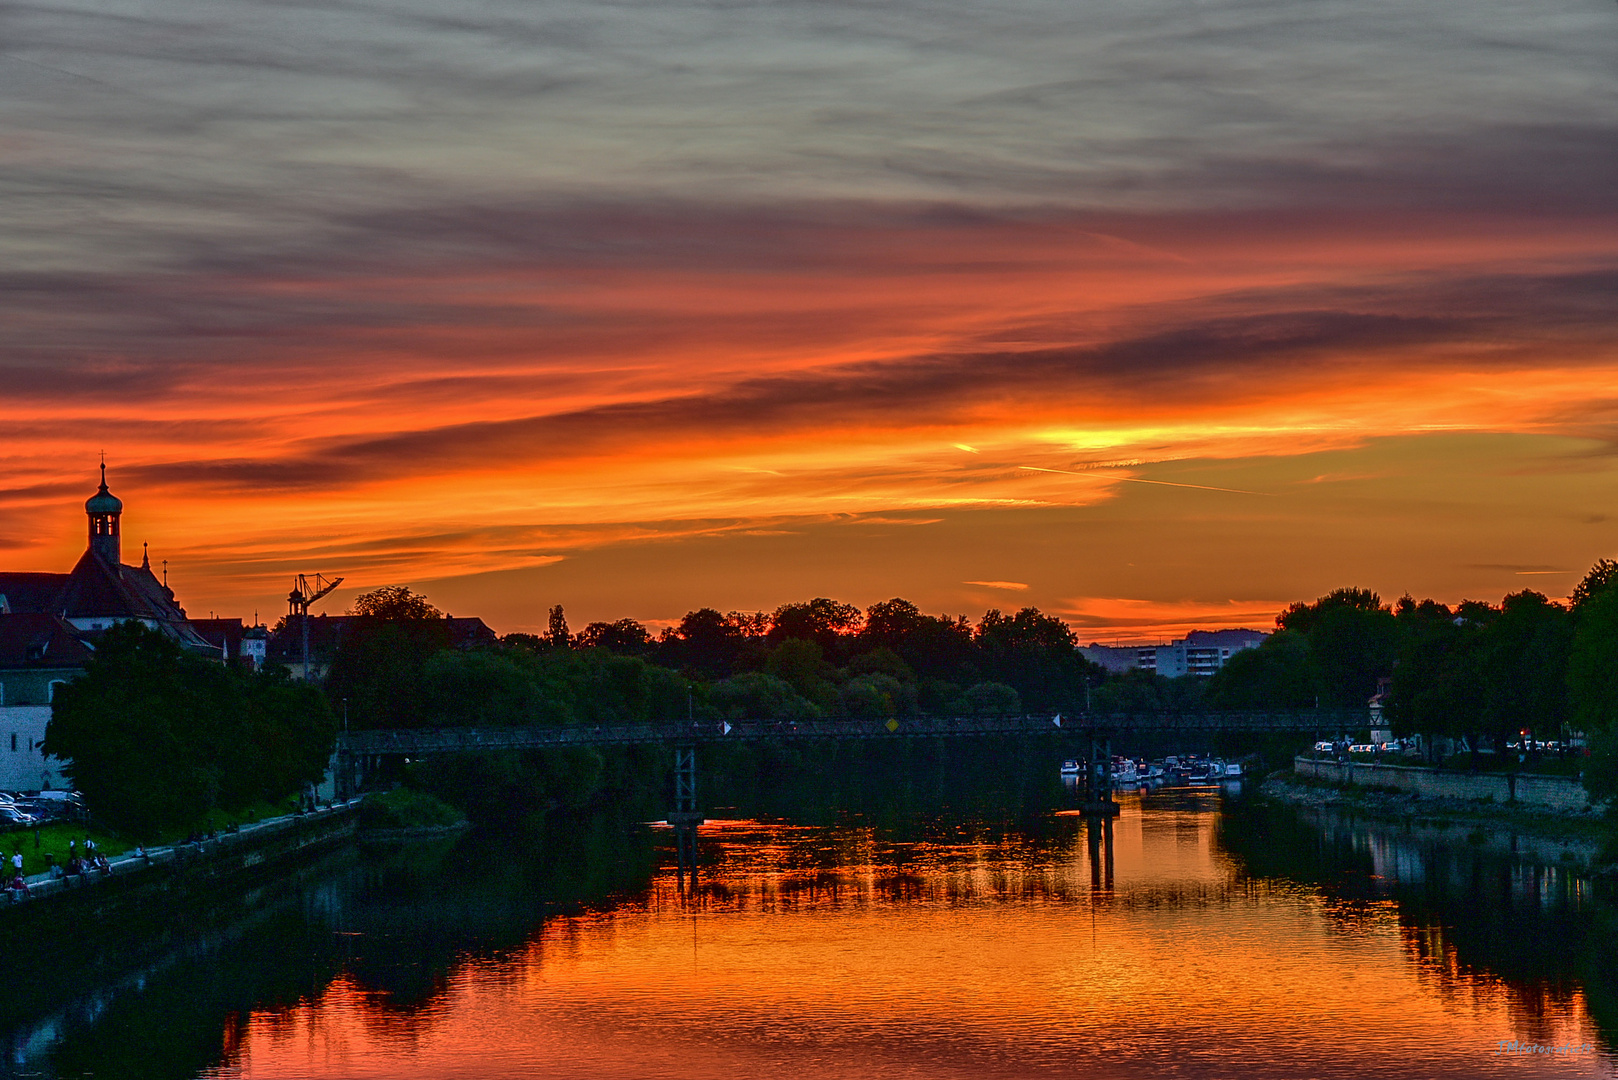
413,741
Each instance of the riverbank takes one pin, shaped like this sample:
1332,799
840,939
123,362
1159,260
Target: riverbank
221,855
1581,839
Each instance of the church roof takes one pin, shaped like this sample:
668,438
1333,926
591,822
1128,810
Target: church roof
28,592
98,589
34,640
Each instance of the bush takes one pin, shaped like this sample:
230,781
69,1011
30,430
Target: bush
405,808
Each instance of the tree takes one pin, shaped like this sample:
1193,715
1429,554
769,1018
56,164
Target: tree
891,623
1303,617
1353,641
394,602
704,641
626,636
1524,653
1602,576
1592,670
378,670
158,737
1276,675
557,629
1037,655
1438,687
825,622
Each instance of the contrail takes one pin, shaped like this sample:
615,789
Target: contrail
1159,483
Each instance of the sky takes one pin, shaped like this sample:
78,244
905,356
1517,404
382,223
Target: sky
1156,314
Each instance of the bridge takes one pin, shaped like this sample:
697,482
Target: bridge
421,742
360,753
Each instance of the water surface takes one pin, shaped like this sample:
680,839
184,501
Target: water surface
1185,939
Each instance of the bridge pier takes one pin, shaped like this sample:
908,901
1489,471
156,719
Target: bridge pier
1099,827
1098,779
685,817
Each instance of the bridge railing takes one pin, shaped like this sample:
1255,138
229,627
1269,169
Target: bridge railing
414,741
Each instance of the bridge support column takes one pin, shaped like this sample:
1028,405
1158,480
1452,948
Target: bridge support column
1099,827
1098,779
685,817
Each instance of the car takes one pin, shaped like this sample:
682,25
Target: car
1324,746
48,809
13,818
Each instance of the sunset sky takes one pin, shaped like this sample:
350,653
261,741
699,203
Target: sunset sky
1152,314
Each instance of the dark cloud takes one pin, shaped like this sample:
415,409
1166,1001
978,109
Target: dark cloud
1225,357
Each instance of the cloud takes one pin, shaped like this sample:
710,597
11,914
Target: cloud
1012,586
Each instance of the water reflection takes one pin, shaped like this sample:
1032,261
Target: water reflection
1181,938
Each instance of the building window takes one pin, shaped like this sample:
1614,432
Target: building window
13,742
51,695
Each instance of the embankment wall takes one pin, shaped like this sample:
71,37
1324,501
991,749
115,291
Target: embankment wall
183,868
1552,792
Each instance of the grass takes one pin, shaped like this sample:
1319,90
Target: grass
39,845
49,841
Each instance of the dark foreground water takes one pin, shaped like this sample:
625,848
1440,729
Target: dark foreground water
1197,940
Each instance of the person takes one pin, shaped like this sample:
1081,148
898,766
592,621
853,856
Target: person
140,853
89,847
19,887
102,864
16,863
72,850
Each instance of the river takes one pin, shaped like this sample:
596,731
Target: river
1203,938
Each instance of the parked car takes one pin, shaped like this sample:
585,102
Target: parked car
13,818
49,809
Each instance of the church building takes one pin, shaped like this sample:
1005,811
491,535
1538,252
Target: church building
48,627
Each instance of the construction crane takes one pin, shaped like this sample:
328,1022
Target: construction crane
304,593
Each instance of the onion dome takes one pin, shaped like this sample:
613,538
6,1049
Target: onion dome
103,501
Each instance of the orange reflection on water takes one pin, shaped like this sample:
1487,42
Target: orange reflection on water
978,951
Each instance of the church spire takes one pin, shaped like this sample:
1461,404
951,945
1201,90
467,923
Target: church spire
103,509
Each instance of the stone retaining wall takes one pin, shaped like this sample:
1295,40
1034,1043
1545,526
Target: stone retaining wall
253,849
1553,792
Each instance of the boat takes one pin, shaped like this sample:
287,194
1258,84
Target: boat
1071,768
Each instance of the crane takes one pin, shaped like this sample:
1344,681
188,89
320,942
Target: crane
304,593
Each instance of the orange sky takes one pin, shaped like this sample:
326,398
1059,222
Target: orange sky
915,314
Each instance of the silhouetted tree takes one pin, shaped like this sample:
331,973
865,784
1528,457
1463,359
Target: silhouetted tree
626,636
1276,675
825,622
394,602
556,631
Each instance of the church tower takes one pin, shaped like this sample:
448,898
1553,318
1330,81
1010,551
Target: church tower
104,509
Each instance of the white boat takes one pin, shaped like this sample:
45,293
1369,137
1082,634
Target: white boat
1071,768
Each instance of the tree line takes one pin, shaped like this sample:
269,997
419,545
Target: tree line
146,716
805,660
1525,668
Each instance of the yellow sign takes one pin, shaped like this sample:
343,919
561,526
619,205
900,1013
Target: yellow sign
893,725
